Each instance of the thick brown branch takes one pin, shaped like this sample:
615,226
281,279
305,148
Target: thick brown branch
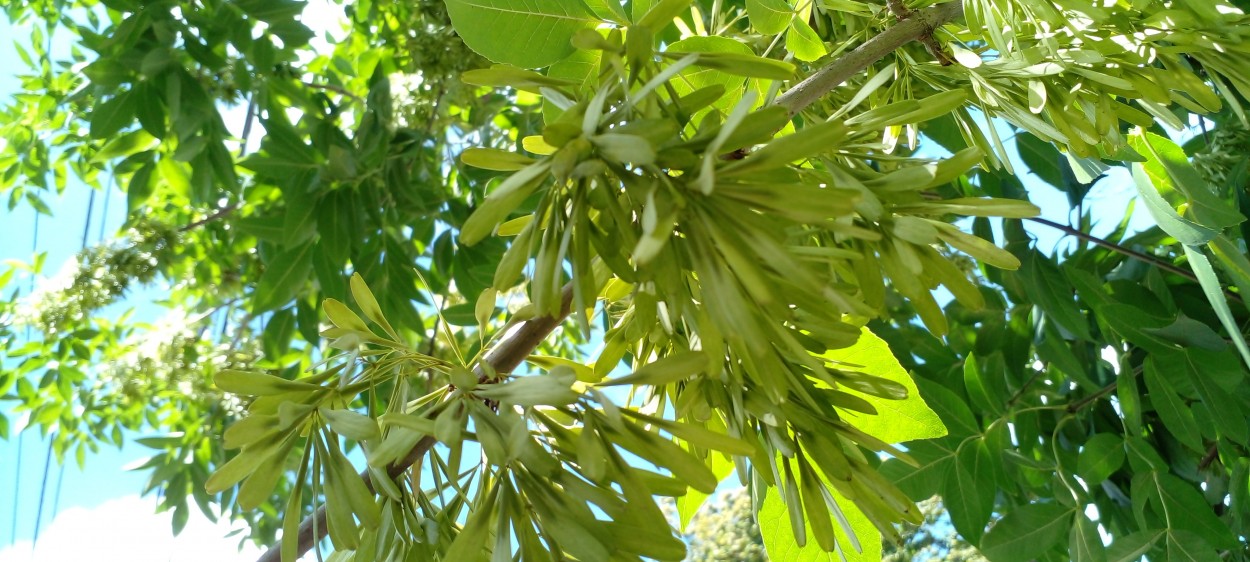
902,12
835,73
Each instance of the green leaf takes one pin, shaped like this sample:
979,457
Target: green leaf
738,64
1184,546
969,491
502,201
299,223
1131,547
1041,158
1051,291
660,14
584,372
980,389
775,528
803,41
1174,413
670,369
897,420
282,278
140,187
369,304
1188,332
698,435
352,425
1170,172
1232,261
109,117
1138,326
805,142
243,465
624,149
1026,532
1214,290
610,10
502,75
1084,542
1184,230
694,79
1100,457
495,159
690,503
125,145
551,389
258,384
497,29
257,488
1183,506
952,410
271,11
769,16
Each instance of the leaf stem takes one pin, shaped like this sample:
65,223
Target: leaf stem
1212,453
212,217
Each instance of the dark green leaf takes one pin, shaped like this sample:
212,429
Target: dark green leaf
1026,532
1100,457
968,493
282,278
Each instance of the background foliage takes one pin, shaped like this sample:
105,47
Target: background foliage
760,257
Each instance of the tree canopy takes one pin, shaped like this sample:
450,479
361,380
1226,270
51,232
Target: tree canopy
484,280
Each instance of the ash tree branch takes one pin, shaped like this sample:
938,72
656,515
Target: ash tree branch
511,351
502,359
915,26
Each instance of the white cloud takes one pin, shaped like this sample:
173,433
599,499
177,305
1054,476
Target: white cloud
128,529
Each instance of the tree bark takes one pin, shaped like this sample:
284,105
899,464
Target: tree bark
918,24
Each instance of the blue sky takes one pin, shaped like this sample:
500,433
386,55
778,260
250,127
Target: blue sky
103,496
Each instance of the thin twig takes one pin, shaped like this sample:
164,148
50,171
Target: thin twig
1079,404
1212,453
1014,397
210,218
247,126
332,88
1146,258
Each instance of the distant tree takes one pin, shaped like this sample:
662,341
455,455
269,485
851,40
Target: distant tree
725,529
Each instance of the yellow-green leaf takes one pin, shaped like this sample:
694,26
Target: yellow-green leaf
898,420
258,384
